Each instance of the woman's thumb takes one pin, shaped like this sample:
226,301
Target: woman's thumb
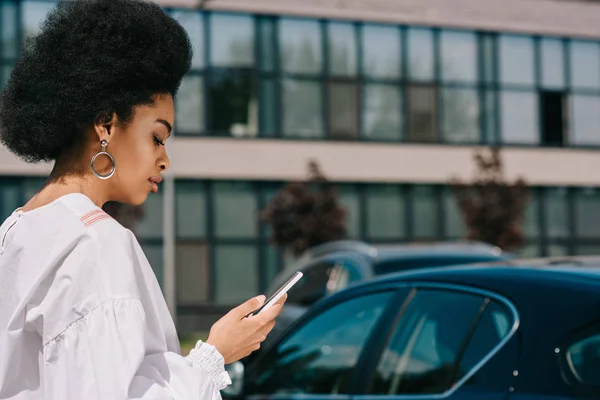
250,305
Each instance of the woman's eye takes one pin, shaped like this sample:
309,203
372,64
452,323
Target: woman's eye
158,141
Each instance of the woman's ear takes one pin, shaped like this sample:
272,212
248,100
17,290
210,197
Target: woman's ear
103,127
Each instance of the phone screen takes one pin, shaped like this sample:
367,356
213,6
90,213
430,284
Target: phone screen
278,294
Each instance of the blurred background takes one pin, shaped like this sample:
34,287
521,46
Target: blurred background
388,102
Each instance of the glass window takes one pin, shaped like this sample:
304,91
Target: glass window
583,359
268,107
488,49
587,250
10,199
302,108
233,105
313,285
342,49
8,29
552,63
385,212
455,227
151,225
421,355
585,64
190,209
556,213
459,56
271,262
343,109
519,116
189,111
460,109
237,273
490,108
420,54
350,200
192,264
193,22
154,254
425,215
587,213
5,72
300,46
319,357
266,46
236,209
531,218
530,251
231,40
555,250
517,64
382,116
381,51
422,114
585,120
31,186
34,13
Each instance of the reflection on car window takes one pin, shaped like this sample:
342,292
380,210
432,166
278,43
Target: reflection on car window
319,357
422,353
584,360
313,285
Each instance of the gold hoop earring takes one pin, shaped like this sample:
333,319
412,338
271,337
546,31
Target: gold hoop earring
103,152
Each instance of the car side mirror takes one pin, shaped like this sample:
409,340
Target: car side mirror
236,372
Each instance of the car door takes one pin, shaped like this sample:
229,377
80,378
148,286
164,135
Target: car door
443,339
317,360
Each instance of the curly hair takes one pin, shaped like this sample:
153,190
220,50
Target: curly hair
92,59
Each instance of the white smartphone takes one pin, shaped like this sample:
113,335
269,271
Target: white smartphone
278,294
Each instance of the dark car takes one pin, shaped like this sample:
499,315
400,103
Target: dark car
517,331
331,267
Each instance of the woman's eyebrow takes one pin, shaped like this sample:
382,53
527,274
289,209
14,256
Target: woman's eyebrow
165,123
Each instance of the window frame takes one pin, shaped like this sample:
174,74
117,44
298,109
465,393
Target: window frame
584,389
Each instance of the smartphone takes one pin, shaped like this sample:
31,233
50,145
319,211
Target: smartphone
278,294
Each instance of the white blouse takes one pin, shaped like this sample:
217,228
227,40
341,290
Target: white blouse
83,317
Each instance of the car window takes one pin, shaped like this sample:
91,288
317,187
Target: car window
313,285
428,341
583,359
320,355
396,265
343,273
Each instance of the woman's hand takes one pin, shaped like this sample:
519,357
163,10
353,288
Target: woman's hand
235,336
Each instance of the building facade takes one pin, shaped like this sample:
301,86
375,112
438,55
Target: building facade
391,97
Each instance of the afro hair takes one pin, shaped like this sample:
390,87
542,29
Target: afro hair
92,59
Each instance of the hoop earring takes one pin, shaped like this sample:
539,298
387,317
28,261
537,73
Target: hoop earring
103,152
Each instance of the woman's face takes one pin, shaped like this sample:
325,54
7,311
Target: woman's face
139,152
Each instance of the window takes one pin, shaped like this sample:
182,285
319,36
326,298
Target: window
8,29
342,49
193,280
385,212
421,65
189,113
531,219
552,64
232,40
424,351
381,51
269,104
349,197
583,359
154,254
585,64
460,115
313,285
193,22
190,209
382,112
425,211
585,120
235,206
34,14
458,56
556,212
320,356
516,60
10,199
587,213
266,44
552,108
237,273
300,46
343,110
422,114
233,106
519,117
302,108
453,219
151,225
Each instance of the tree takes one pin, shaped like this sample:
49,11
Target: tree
306,213
491,207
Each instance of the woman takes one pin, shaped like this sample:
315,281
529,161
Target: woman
81,313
